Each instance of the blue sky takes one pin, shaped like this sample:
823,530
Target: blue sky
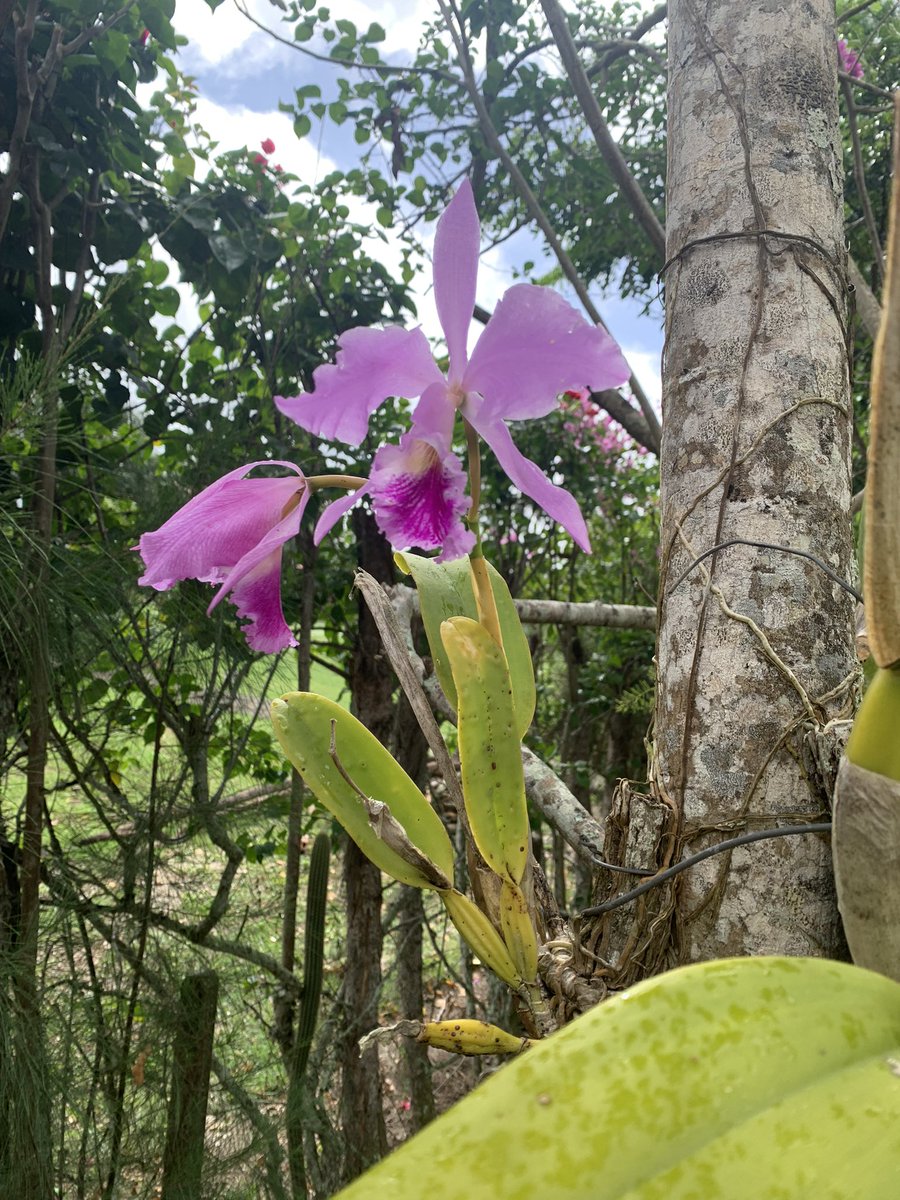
241,75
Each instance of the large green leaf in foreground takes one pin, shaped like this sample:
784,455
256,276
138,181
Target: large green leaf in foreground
770,1078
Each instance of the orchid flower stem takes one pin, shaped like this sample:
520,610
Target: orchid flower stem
473,454
484,595
481,581
350,483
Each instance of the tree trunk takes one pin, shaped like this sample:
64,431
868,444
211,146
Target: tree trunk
371,686
755,646
411,751
189,1098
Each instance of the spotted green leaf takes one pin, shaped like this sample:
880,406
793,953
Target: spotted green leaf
303,724
493,780
737,1079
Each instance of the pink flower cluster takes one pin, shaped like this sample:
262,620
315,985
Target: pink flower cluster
261,160
590,427
535,348
848,61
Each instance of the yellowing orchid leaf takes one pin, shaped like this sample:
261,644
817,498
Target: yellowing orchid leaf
881,561
493,780
303,725
739,1078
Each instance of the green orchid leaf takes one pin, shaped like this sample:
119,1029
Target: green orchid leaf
303,724
873,743
445,591
493,779
739,1078
518,653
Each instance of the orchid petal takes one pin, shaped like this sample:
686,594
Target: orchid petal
418,494
371,365
535,346
456,243
214,530
333,512
434,415
254,584
531,480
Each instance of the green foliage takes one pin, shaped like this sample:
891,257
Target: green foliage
490,760
305,725
745,1077
445,590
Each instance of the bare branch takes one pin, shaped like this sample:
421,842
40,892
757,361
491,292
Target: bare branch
612,155
557,805
866,304
640,428
859,175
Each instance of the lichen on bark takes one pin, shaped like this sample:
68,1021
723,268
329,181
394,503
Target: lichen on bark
755,647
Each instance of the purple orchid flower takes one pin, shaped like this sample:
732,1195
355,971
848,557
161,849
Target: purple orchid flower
232,534
848,61
535,347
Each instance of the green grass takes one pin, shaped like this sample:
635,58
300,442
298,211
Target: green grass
324,682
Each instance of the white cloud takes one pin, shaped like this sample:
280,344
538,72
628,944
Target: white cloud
217,36
227,39
645,365
236,127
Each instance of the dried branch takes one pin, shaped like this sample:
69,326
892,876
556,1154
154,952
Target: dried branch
595,613
562,809
866,304
859,175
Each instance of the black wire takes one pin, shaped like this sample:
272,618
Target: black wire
770,546
744,840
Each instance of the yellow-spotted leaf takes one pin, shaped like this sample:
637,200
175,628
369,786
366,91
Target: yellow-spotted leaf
493,780
742,1079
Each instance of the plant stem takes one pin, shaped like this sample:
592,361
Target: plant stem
349,482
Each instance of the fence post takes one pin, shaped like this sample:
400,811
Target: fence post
183,1157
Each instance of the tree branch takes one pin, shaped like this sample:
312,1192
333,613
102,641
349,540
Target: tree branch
612,155
859,175
866,304
642,430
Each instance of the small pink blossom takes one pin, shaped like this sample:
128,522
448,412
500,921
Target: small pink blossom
268,146
259,160
848,61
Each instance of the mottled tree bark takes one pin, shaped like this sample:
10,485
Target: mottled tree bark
411,751
755,646
371,685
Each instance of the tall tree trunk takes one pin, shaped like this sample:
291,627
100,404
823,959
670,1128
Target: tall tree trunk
755,646
411,751
371,686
